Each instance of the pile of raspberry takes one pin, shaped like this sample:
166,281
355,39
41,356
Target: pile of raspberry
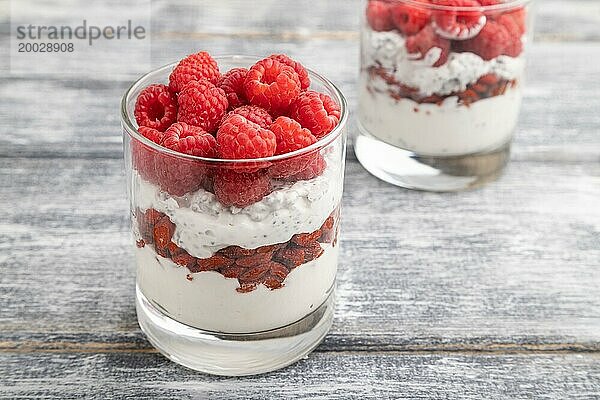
244,114
488,35
266,265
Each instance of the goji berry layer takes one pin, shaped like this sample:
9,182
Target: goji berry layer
265,265
486,86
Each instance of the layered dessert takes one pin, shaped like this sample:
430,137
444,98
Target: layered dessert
442,77
236,184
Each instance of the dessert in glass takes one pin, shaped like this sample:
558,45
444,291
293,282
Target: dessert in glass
235,172
440,89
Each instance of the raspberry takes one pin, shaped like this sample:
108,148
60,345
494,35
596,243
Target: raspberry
177,175
490,43
155,107
458,25
193,68
151,133
146,222
314,169
426,40
520,17
143,156
378,16
202,104
299,68
241,189
272,85
514,46
290,135
190,140
239,138
316,112
255,114
409,19
232,84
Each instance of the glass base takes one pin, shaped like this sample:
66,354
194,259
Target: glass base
233,354
407,169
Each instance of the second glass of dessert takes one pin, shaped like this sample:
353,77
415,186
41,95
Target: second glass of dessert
440,89
235,172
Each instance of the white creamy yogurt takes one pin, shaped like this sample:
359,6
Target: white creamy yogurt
210,302
388,50
203,225
440,130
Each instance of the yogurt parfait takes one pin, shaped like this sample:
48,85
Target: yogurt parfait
235,174
440,89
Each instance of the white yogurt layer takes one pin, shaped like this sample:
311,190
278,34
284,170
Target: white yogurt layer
388,50
440,130
210,301
203,225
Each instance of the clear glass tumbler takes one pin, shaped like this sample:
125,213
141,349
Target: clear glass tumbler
440,89
228,290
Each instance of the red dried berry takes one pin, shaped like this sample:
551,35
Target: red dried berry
254,274
255,114
233,271
202,104
425,40
163,232
272,85
184,259
312,251
239,138
155,107
378,16
236,252
299,68
409,18
316,112
291,257
304,239
232,84
241,189
194,68
214,263
253,260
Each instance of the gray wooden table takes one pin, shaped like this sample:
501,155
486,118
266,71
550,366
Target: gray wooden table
488,294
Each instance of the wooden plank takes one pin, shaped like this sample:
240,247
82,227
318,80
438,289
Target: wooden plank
514,265
558,121
322,375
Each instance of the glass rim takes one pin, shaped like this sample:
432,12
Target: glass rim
127,119
503,6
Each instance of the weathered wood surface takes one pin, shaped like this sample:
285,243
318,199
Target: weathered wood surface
329,376
485,294
513,264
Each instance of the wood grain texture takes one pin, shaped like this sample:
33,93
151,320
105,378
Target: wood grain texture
486,294
328,376
514,264
83,119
